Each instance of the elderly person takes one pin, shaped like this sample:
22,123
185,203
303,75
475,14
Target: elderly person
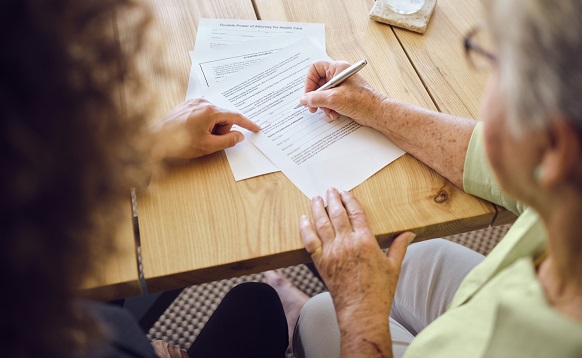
525,298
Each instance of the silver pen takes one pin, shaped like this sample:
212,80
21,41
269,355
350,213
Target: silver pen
342,76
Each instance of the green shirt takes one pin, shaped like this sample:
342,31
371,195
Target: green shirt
500,309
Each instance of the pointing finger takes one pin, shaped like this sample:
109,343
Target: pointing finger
228,117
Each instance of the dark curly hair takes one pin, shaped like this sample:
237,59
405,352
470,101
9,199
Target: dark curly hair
69,153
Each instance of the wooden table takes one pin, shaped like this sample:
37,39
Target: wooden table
439,58
197,224
117,276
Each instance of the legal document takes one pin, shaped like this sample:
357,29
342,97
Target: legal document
224,47
313,151
213,65
216,33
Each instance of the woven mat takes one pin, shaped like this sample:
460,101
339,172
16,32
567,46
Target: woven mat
186,316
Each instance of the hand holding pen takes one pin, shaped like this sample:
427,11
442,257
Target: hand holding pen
339,78
354,98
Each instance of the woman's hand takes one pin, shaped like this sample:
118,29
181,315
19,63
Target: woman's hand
360,278
166,350
195,128
353,98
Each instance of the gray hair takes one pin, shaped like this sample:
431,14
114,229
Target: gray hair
539,45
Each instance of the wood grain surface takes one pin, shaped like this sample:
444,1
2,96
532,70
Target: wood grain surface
439,57
117,276
197,224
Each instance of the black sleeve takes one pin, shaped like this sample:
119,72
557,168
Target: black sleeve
125,337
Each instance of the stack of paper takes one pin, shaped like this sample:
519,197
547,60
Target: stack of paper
313,151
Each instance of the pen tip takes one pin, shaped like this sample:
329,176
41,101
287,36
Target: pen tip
298,106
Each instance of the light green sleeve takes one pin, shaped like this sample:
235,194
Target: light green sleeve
478,178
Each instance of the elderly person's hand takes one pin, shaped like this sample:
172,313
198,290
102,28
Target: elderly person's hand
195,128
360,278
353,98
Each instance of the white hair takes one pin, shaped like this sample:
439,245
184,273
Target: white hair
539,44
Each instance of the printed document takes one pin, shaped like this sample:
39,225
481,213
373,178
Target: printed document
213,33
217,33
224,47
212,66
313,151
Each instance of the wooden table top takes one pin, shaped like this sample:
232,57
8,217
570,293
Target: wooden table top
197,224
117,276
439,57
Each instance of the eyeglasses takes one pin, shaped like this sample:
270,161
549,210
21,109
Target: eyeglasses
476,43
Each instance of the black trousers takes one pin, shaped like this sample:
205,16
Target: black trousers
249,322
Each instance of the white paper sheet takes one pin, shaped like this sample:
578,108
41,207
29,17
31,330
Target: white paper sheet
314,152
220,44
212,66
213,33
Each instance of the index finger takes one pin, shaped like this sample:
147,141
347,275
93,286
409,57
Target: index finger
227,117
355,212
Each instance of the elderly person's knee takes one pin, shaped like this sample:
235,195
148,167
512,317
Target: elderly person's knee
317,333
438,249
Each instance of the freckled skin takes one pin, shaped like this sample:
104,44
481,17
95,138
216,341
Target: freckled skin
438,140
376,346
360,278
362,281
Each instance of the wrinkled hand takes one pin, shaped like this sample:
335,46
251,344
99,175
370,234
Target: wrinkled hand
166,350
353,98
195,128
360,278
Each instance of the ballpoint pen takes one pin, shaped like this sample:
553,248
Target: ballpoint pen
342,76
